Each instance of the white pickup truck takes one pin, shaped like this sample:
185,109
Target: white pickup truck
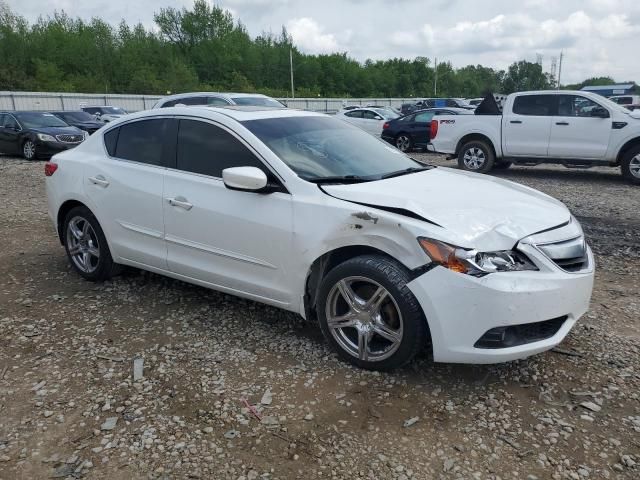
573,128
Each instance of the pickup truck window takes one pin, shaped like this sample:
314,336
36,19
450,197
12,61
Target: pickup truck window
575,106
535,105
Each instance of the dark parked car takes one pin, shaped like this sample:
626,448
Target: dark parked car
83,120
414,130
36,134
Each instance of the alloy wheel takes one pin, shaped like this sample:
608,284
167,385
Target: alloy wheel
634,166
403,143
82,244
474,158
29,150
364,319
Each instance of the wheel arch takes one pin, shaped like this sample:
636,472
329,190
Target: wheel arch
476,137
625,148
64,209
330,259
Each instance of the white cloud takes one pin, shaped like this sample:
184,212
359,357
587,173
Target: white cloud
310,36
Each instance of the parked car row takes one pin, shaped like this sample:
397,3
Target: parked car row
436,103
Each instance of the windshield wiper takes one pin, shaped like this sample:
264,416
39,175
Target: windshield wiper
338,179
406,171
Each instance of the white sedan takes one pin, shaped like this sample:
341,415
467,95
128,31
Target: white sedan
371,120
304,212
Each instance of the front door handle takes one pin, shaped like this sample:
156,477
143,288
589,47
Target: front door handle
180,202
516,121
99,180
562,123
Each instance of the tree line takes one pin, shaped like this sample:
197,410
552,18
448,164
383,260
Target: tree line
203,48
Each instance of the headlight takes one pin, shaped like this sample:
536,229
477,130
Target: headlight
472,262
46,138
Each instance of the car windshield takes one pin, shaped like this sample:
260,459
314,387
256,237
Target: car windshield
113,111
257,102
76,116
36,120
321,147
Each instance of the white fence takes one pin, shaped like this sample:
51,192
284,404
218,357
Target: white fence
73,101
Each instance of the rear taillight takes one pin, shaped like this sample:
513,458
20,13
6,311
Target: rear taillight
385,126
434,129
50,168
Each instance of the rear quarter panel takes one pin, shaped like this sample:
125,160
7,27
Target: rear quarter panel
453,128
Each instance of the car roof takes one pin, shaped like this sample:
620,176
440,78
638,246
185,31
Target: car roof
236,112
227,95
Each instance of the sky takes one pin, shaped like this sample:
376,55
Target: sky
596,37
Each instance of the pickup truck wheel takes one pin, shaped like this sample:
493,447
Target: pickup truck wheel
630,165
476,156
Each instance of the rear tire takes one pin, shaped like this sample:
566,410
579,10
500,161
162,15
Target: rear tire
368,314
630,165
476,156
404,143
87,247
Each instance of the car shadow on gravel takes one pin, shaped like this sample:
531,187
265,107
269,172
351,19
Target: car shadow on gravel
567,174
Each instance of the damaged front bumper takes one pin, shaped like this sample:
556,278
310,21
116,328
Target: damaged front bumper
502,316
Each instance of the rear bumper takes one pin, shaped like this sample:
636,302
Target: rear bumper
460,309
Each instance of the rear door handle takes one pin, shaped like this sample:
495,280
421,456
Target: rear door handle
180,202
562,123
516,121
99,180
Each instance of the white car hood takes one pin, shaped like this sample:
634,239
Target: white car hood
476,211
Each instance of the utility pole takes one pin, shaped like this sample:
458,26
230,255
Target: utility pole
293,93
560,68
435,78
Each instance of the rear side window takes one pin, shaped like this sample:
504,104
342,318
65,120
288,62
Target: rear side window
207,149
354,114
217,102
535,105
142,141
186,101
110,141
424,117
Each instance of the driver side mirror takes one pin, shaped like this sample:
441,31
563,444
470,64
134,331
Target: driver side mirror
247,179
600,112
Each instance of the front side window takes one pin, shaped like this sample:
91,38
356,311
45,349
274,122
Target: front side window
10,122
534,105
207,149
217,102
575,106
316,147
141,141
258,102
369,115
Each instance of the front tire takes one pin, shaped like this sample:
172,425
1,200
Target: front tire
630,165
404,143
368,314
29,150
86,246
476,156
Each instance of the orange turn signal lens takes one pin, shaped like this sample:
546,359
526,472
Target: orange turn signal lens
443,254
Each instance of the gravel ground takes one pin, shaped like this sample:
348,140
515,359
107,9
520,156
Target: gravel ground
147,377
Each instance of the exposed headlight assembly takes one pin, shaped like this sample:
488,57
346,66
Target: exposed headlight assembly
472,262
46,138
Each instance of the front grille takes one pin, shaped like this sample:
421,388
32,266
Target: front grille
70,138
570,255
514,335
